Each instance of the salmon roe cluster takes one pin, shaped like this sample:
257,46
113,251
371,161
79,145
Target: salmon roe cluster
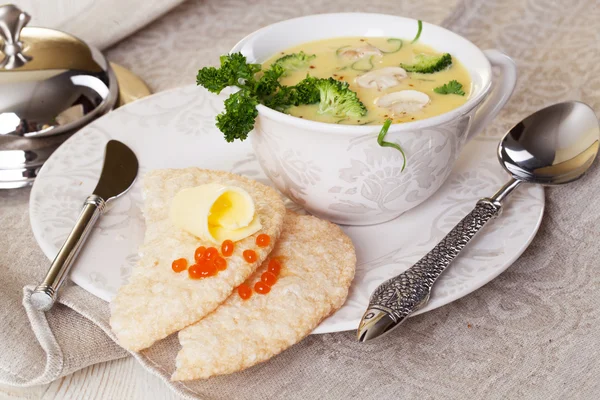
208,262
267,279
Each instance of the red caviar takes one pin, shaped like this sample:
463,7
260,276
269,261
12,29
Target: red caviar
202,270
179,265
227,248
261,288
220,263
244,291
211,253
249,256
199,253
274,267
263,240
268,278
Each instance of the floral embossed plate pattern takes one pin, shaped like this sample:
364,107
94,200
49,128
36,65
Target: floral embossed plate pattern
175,129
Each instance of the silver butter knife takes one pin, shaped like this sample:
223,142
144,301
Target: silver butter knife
118,174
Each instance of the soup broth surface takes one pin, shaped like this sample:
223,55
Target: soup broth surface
328,63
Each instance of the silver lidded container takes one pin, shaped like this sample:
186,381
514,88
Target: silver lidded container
51,83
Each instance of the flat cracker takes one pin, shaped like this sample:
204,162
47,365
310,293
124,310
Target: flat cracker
318,263
157,301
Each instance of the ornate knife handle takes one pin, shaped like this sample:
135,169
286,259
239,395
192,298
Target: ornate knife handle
395,299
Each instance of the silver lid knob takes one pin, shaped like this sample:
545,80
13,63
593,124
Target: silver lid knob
12,20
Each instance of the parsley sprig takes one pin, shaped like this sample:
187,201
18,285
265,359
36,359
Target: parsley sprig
452,87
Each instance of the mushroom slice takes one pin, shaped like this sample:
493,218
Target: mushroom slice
404,101
382,78
355,53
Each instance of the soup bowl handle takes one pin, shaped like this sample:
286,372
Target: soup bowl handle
500,93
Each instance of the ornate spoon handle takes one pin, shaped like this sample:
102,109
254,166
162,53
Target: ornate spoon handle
395,299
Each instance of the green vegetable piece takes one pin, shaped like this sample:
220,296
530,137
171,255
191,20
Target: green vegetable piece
240,113
234,71
428,64
419,30
337,99
383,143
452,87
305,92
269,82
238,118
397,42
283,99
294,62
363,65
339,51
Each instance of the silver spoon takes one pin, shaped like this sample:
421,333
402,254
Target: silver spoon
553,146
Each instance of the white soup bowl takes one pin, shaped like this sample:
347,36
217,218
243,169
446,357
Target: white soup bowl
339,172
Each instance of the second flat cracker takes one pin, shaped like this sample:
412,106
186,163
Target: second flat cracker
318,263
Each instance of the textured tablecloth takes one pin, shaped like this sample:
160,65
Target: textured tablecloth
532,333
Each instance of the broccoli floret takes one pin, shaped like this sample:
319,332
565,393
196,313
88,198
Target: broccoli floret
334,97
234,71
294,62
428,64
307,91
238,118
337,99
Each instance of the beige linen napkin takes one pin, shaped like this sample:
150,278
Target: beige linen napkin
98,22
531,333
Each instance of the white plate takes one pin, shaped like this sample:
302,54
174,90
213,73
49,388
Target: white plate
176,129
